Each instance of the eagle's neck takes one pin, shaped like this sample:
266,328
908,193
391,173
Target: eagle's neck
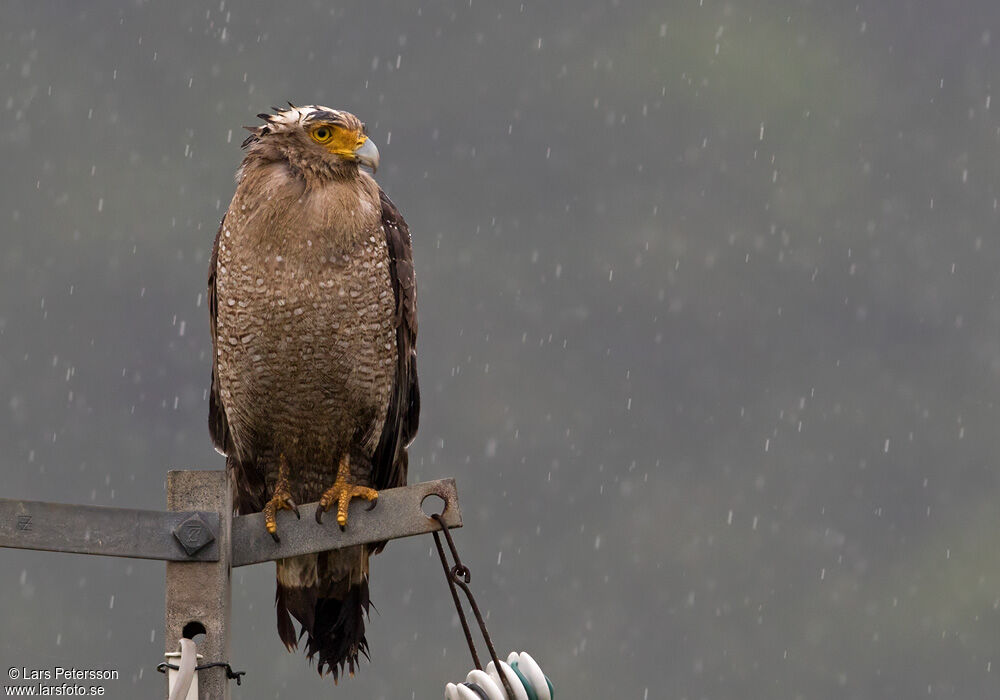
339,212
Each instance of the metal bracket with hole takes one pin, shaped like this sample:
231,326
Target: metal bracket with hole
396,514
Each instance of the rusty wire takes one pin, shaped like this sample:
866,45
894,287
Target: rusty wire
459,575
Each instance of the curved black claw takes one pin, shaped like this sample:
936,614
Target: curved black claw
372,503
294,509
319,514
277,540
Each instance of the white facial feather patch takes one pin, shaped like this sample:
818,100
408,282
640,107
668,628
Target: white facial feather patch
295,117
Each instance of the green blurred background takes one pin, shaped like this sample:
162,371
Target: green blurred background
709,329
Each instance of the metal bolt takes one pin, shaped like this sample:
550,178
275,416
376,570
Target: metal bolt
193,534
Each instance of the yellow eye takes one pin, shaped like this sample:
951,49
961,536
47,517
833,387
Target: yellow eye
321,134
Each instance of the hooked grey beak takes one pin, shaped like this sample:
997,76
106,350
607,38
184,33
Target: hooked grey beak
367,155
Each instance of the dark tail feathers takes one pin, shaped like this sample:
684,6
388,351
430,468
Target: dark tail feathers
334,628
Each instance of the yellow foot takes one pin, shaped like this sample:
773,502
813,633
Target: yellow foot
341,493
282,500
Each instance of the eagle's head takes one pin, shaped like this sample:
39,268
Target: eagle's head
315,140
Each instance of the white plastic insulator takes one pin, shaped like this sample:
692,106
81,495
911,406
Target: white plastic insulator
533,672
180,684
461,692
515,683
489,686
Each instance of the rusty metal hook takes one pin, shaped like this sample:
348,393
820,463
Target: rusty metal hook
460,575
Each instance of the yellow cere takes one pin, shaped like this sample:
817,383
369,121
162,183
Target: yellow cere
337,140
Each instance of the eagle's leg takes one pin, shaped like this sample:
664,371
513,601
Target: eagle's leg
282,500
342,492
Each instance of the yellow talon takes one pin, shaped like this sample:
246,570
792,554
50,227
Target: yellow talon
341,493
281,500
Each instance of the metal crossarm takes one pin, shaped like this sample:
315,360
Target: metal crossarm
193,535
113,532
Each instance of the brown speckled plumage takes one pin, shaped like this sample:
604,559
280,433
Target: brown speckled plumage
314,327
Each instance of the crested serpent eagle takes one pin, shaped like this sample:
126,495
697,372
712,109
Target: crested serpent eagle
314,384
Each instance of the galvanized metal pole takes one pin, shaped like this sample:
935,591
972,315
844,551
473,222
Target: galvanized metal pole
199,593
